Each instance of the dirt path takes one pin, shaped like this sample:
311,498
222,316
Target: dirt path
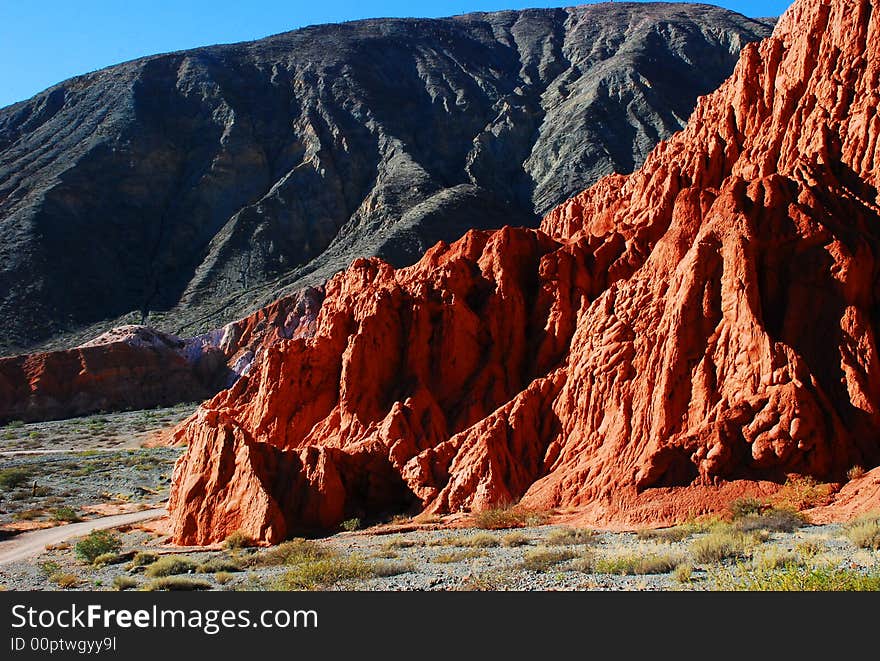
19,453
30,544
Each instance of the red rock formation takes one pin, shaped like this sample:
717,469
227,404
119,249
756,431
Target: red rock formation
133,367
668,340
857,497
116,375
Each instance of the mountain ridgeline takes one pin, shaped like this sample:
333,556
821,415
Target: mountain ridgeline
188,189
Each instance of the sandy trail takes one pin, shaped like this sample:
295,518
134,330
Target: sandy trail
17,453
30,544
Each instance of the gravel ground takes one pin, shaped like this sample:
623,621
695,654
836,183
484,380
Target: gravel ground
95,466
60,487
457,559
55,472
128,429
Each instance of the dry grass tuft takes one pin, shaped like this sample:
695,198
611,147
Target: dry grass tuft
631,564
63,580
801,492
684,573
864,532
171,565
238,540
326,571
177,584
501,518
291,552
542,558
514,539
722,544
571,537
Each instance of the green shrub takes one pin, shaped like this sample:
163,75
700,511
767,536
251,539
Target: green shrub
121,583
171,565
742,507
351,525
66,514
50,567
797,579
97,543
238,540
177,583
10,478
541,559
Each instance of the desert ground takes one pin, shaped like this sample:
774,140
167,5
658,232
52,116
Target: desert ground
61,480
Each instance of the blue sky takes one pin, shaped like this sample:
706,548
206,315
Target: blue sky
42,43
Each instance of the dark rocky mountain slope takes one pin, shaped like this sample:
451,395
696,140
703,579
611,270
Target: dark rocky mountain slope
185,190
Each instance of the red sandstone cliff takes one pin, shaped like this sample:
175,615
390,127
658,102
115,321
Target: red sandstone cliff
707,322
134,367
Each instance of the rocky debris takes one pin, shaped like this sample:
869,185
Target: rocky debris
183,191
708,321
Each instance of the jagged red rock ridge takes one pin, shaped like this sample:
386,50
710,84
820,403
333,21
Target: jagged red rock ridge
666,340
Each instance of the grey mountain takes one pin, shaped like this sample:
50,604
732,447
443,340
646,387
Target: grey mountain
184,190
